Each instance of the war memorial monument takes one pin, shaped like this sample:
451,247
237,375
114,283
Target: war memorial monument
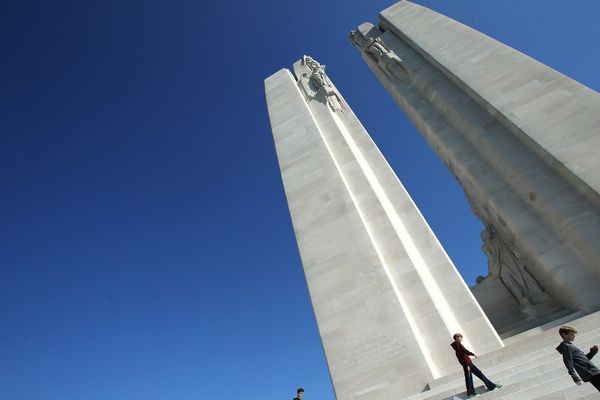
522,140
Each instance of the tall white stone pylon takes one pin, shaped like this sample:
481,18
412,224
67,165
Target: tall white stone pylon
523,141
387,298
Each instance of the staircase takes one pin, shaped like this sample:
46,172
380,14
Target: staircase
528,366
521,325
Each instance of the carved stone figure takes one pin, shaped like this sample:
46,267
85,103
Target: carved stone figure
506,264
359,40
318,76
319,80
380,53
310,62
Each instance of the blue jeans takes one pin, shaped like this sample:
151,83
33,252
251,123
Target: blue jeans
477,372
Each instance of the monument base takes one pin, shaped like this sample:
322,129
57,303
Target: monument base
506,315
529,367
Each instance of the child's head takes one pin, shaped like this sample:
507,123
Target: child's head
457,337
567,332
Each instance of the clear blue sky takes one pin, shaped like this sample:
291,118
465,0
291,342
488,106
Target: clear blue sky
146,250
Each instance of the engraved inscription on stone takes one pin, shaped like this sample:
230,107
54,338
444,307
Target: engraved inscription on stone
364,354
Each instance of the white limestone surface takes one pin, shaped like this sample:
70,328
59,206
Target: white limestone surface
542,220
386,297
539,104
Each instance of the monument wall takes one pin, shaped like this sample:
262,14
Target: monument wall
522,140
386,297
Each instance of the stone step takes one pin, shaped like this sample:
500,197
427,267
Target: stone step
506,377
521,326
551,382
554,324
510,382
583,392
530,346
525,387
510,374
538,348
513,384
546,337
549,378
549,387
522,374
539,358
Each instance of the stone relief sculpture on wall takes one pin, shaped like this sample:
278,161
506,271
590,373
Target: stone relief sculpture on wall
318,76
507,265
318,80
389,61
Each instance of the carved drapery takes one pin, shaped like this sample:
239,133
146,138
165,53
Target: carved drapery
376,49
507,264
318,80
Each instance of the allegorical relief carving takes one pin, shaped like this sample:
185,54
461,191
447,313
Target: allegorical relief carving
509,267
506,264
319,81
389,61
